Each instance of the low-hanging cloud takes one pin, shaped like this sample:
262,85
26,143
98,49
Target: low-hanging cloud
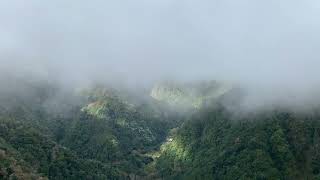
271,46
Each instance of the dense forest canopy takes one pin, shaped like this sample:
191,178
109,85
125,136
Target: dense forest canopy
107,133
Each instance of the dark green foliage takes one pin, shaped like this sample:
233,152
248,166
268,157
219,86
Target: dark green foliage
113,131
100,137
267,145
47,157
108,134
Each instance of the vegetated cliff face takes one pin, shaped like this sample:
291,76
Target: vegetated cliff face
192,95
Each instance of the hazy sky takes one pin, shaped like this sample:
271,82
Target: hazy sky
272,45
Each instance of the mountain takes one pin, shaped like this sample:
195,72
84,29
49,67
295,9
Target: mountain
214,144
178,131
97,133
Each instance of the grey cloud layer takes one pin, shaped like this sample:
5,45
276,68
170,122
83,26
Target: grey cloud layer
263,44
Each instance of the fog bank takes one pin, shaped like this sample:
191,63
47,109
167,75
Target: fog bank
271,48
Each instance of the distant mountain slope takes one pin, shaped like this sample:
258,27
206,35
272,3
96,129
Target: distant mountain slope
189,95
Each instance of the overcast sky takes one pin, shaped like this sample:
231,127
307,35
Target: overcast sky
271,44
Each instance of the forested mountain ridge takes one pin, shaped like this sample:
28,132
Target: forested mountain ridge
214,144
94,134
107,133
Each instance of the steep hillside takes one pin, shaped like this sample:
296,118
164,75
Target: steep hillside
104,133
99,133
28,152
115,131
214,144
